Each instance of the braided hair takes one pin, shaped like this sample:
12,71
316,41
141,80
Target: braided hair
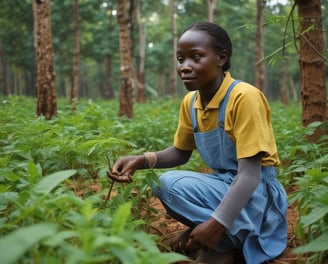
221,40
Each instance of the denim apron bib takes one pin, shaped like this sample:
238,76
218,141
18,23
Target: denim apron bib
260,231
215,146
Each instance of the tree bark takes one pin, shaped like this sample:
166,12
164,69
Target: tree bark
141,98
108,91
312,67
45,72
211,5
284,82
173,72
259,54
3,86
126,71
75,88
160,84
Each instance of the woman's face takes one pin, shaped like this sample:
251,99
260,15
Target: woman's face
198,64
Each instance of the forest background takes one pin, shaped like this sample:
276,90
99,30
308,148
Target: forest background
99,52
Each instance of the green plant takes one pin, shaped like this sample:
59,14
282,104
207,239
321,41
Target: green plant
44,165
311,197
48,170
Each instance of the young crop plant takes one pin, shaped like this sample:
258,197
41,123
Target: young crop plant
310,167
49,212
57,226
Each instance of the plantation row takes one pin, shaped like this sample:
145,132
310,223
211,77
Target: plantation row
53,182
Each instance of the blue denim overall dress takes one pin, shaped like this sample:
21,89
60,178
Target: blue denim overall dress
260,231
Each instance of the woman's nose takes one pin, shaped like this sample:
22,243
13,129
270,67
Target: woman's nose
185,67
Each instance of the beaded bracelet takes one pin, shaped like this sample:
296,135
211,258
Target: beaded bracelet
151,159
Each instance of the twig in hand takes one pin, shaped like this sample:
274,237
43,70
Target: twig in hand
109,191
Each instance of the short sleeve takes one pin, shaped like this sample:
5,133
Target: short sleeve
184,137
248,123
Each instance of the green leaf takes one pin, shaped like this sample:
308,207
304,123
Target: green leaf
127,254
316,245
59,238
48,183
316,214
174,257
33,169
145,240
14,245
120,218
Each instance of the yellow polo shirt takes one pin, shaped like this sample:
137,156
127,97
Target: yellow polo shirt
247,121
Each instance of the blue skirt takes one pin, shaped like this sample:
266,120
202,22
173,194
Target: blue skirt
260,231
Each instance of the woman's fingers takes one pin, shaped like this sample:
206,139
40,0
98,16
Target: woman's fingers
119,178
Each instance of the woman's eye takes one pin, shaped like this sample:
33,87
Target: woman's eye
179,59
196,57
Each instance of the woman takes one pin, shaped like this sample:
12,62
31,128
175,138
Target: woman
241,206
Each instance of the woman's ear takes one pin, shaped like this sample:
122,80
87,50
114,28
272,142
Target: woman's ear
222,57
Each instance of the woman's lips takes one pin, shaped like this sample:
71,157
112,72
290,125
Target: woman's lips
188,79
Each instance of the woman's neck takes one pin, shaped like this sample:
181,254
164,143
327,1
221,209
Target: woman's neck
206,95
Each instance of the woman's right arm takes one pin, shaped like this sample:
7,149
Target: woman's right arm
125,167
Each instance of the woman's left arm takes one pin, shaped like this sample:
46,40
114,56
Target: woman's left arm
247,179
241,190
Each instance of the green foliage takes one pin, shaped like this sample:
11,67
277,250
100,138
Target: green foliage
14,245
48,168
45,164
304,166
308,171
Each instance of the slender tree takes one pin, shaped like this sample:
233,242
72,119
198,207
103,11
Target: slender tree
284,82
108,89
75,88
211,5
173,78
3,86
45,72
126,61
259,53
141,98
312,63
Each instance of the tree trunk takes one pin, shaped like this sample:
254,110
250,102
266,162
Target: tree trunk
259,55
108,91
294,90
126,70
173,72
160,84
312,67
284,82
211,6
45,72
3,87
141,98
75,88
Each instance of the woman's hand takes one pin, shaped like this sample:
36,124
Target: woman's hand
206,235
125,167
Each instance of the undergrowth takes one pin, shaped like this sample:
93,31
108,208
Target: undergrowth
53,181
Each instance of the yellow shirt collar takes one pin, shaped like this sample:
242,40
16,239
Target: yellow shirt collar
219,95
